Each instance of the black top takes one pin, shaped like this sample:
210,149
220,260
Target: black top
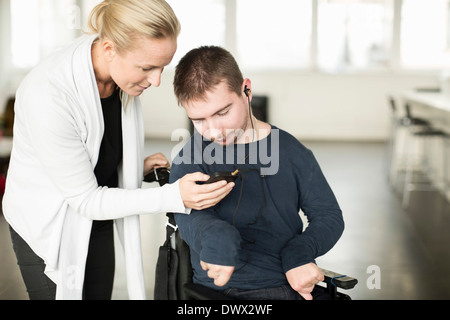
111,148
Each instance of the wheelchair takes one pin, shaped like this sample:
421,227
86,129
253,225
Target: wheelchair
173,276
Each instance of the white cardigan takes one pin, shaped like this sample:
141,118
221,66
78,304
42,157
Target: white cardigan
52,194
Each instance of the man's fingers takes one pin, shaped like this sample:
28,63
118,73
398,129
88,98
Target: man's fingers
204,265
306,296
320,278
222,279
220,274
306,291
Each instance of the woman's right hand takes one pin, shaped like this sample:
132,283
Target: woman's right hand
202,196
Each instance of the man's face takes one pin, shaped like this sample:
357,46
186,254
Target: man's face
221,116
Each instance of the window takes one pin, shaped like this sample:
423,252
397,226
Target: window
24,40
354,34
86,8
425,34
38,27
329,35
202,23
273,34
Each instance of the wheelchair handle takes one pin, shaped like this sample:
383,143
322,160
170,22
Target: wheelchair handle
160,175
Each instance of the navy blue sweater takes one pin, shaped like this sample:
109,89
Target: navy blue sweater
257,227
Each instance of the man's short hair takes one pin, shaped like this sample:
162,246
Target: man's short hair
202,69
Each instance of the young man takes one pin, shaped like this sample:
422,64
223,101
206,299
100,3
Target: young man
252,244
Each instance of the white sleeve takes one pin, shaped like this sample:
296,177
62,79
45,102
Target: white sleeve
55,138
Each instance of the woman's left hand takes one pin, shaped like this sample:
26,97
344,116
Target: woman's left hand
155,161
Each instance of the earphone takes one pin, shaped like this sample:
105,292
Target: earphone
247,91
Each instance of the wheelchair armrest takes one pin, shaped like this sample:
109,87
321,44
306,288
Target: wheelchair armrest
332,279
339,280
199,292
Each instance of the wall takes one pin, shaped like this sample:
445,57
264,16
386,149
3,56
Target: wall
4,52
311,106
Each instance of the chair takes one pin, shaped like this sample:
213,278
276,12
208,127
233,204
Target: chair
416,169
173,278
424,183
400,123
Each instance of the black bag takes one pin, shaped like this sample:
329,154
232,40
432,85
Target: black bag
173,267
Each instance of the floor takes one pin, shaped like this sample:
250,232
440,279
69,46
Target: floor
394,253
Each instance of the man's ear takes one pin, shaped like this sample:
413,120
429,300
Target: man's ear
247,87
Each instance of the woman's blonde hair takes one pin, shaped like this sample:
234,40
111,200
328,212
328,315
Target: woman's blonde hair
124,21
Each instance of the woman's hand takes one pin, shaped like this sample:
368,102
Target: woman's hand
154,161
199,197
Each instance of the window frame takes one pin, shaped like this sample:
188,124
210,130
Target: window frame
395,64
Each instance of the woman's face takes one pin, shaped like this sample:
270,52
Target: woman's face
138,69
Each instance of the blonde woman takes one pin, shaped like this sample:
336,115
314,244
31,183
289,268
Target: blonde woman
77,161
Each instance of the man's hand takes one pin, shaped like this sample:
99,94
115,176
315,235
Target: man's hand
220,274
303,279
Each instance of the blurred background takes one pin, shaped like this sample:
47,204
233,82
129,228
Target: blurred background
329,72
325,65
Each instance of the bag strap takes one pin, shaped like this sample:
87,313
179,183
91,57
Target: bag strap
171,225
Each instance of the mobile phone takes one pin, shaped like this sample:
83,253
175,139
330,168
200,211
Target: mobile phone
223,175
